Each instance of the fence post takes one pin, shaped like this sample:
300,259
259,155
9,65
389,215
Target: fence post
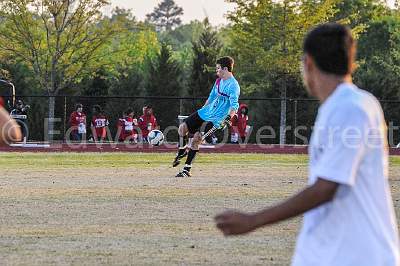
283,96
181,107
50,121
295,122
65,117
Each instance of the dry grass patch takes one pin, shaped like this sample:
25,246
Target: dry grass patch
120,209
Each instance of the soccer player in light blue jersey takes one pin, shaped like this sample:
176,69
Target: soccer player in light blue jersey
220,106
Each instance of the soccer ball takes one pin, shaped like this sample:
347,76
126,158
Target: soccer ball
155,137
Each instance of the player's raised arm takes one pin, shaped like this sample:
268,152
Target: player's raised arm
234,98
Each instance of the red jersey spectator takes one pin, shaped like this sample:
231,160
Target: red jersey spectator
99,124
147,122
77,120
127,126
239,124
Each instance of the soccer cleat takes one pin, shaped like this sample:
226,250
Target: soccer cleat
184,173
178,158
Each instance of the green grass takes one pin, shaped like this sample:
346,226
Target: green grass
394,160
11,160
140,160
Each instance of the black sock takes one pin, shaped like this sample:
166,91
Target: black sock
191,156
181,151
182,142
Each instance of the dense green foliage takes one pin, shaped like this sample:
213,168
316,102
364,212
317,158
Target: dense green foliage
164,80
205,52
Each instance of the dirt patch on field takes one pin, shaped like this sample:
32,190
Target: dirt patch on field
141,216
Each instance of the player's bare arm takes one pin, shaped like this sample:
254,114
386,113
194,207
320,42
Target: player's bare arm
232,113
234,223
9,130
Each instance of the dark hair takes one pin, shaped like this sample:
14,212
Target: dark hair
332,47
226,61
129,110
97,108
78,105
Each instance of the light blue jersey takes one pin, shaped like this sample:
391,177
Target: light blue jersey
224,96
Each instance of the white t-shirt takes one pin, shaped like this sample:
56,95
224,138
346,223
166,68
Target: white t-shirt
349,146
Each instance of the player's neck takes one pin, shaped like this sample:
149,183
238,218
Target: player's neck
328,85
227,76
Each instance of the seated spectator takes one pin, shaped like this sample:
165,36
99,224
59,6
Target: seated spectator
127,127
239,127
20,108
99,124
77,121
147,122
19,113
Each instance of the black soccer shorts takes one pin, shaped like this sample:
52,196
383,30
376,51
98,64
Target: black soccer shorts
194,123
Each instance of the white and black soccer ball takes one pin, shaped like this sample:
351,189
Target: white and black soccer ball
155,137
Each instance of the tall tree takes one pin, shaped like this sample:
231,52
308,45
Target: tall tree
164,80
379,62
134,43
127,62
358,13
180,39
59,39
205,52
183,35
166,15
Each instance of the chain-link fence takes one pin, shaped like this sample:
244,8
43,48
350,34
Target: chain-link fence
264,116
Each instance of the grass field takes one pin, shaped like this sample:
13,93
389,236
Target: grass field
124,209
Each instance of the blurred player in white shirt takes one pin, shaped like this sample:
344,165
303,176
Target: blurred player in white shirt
349,215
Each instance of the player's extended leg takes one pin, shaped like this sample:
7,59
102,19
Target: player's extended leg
194,148
183,136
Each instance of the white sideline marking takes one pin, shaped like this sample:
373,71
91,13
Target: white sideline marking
207,146
30,145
